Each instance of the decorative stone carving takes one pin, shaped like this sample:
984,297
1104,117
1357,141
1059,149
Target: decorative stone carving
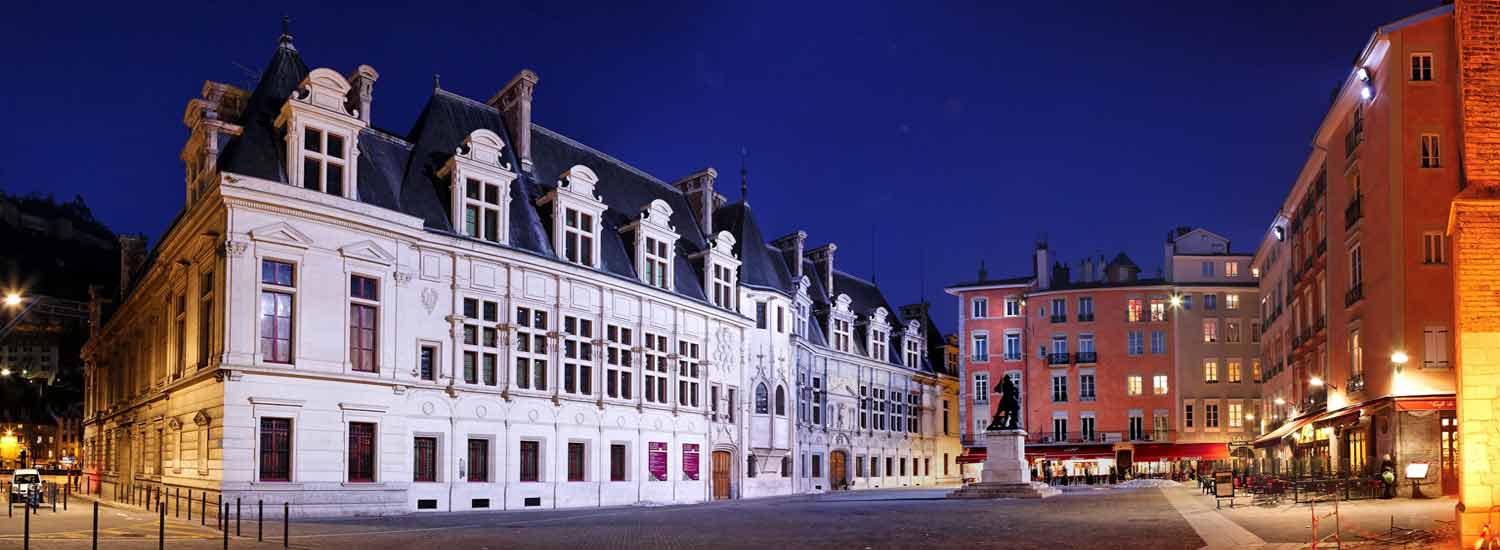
402,278
235,249
201,418
174,424
429,299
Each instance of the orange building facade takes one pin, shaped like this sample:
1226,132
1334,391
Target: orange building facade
1357,287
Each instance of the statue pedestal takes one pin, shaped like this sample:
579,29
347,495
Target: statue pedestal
1006,474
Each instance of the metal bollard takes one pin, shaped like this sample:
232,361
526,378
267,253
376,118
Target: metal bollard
54,498
26,538
286,514
236,516
67,494
225,509
161,527
260,521
96,526
190,505
203,508
177,502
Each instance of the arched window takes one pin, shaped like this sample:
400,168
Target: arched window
761,399
780,401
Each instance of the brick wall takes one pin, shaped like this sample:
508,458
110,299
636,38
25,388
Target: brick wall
1478,32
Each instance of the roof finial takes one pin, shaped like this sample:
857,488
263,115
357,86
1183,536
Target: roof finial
437,82
744,177
285,40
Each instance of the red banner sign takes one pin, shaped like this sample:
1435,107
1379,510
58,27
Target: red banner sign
690,461
656,459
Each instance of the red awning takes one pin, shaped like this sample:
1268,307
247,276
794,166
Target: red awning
1068,452
971,456
1427,404
1181,451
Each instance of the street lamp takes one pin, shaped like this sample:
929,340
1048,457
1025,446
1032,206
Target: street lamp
4,372
1399,359
1317,382
1176,300
12,299
1279,401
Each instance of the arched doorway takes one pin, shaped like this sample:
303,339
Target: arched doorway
838,469
723,463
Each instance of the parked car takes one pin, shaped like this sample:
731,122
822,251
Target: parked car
23,482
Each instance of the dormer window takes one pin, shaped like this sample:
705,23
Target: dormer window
323,160
912,344
576,212
879,344
321,153
719,269
655,244
913,356
481,179
841,324
841,335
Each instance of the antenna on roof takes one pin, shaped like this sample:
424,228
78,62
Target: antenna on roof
285,40
437,83
744,177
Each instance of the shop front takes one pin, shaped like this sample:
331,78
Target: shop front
1181,461
1071,465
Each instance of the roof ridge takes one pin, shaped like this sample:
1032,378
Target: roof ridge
602,155
855,277
476,102
382,134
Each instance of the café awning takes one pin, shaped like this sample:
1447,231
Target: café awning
1181,451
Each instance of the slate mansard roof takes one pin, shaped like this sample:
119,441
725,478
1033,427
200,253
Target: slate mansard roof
399,172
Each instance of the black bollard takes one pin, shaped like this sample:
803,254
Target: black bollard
225,511
260,521
177,502
54,498
9,502
67,493
203,508
236,516
161,528
190,505
26,538
286,513
96,526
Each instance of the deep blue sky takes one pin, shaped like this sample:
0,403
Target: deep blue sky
951,132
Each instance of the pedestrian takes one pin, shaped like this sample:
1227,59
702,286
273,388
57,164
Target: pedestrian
1387,476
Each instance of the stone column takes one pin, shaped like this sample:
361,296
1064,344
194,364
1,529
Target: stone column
1474,223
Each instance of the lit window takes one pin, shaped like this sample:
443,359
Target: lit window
1235,375
1158,310
1159,384
361,461
275,449
1210,371
1431,157
205,317
1135,310
1231,301
1231,269
1133,385
1421,67
1236,415
277,302
1210,330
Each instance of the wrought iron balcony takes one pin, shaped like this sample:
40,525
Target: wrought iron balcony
1059,358
1353,212
1073,437
1060,318
1355,294
1356,382
1085,317
1088,357
1012,357
1355,135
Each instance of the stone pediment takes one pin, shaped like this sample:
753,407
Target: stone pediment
369,251
281,233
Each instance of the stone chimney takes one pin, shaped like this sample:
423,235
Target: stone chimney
1060,274
792,248
822,258
98,303
1086,270
132,257
1042,266
514,103
699,190
362,91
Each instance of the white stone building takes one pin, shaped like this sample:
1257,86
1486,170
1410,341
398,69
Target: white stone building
480,314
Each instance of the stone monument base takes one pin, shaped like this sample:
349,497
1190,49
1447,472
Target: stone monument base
1006,474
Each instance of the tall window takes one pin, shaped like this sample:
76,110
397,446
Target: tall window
617,462
364,301
864,404
1087,429
482,341
1234,368
780,319
1356,271
578,355
424,449
1133,385
723,286
656,263
946,412
361,452
1060,388
482,210
817,400
1432,247
1012,347
205,317
1059,310
1211,415
576,461
1187,415
1431,156
275,449
654,372
531,461
897,411
981,308
1210,301
877,412
323,161
1135,310
1255,373
762,399
1421,67
1435,347
1210,330
841,335
981,387
1158,342
1012,307
1208,269
427,363
277,300
1159,384
1158,310
1231,301
1086,386
1136,426
780,400
760,315
179,334
1231,269
1236,415
1060,428
913,354
1232,331
1085,308
880,345
1135,342
617,362
689,375
531,349
578,237
479,460
980,345
1210,371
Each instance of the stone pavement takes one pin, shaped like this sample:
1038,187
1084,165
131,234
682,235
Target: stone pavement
1398,523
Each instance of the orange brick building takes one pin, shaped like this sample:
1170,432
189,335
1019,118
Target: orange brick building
1358,307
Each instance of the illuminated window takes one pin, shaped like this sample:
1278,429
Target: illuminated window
1231,269
1236,415
1159,384
1235,371
1134,385
1210,330
1135,310
1231,301
1210,371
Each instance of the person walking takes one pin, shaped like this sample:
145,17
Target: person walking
1387,477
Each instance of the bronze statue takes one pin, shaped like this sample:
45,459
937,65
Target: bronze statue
1008,415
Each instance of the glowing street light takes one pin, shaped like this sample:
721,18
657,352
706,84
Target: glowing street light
1279,401
12,299
4,372
1315,381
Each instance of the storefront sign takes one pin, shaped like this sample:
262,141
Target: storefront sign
690,461
1427,405
656,459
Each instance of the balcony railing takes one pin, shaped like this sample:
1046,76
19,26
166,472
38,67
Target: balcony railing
1059,358
1012,357
1060,318
1088,357
1353,212
1356,382
1085,317
1355,135
1355,294
1054,438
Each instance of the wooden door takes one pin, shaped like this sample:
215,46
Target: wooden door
722,462
836,461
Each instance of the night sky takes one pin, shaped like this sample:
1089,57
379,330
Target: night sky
941,134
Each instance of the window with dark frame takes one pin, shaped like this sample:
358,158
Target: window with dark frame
426,363
576,461
617,462
275,449
364,299
531,460
425,451
361,452
205,317
278,287
479,460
